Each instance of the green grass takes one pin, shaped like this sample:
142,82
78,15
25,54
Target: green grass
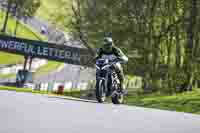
23,90
185,102
50,66
23,32
15,89
2,76
6,58
74,93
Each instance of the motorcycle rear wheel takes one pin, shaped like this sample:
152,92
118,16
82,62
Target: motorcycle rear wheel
117,97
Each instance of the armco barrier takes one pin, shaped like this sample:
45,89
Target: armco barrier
68,85
82,85
44,87
37,87
5,70
50,87
132,84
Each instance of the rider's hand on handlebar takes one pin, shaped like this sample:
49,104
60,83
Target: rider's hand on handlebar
113,64
116,60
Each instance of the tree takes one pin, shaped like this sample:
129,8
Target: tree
9,3
22,8
190,31
165,33
25,9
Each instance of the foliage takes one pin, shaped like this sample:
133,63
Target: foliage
20,9
165,33
56,12
25,8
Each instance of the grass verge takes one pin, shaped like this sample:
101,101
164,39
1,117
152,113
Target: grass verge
185,102
23,90
6,58
5,76
75,93
49,67
23,30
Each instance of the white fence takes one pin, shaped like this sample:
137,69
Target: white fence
68,86
131,84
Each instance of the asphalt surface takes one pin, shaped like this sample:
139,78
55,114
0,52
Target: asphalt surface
27,113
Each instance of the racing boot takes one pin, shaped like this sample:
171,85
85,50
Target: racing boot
122,86
120,74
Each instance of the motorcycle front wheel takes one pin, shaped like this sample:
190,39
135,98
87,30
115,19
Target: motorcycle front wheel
100,91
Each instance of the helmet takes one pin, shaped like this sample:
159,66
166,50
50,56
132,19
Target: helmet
108,41
108,44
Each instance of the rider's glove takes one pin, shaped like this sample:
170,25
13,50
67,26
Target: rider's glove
114,66
117,60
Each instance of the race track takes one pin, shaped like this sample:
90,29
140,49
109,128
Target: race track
28,113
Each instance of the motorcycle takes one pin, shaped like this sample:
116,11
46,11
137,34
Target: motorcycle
107,82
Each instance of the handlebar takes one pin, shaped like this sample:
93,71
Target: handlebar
116,60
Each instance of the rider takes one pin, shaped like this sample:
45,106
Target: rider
110,51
